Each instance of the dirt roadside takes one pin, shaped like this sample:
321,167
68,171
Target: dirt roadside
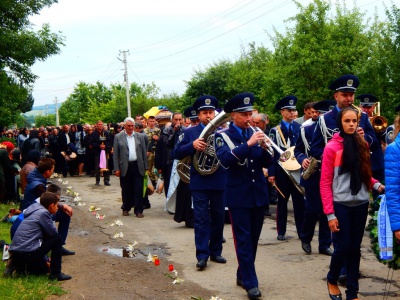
284,270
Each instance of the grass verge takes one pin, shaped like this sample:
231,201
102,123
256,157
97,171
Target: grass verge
23,286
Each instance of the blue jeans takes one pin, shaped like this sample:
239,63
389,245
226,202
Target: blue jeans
347,244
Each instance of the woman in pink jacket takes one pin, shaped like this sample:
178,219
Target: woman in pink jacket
346,181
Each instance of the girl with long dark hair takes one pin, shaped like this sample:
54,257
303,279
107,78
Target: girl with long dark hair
346,182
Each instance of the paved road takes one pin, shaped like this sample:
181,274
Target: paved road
284,270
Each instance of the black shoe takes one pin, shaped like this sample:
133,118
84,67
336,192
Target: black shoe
327,251
253,293
65,251
97,182
306,247
59,277
239,283
281,237
267,213
201,264
333,297
107,183
218,259
223,240
146,206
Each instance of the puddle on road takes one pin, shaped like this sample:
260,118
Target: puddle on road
120,252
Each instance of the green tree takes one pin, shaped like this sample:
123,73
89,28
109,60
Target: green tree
49,120
20,48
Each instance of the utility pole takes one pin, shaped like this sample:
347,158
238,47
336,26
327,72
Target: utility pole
128,98
57,118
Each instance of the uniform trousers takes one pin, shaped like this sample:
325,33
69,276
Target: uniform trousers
132,189
313,213
347,244
246,226
288,188
209,210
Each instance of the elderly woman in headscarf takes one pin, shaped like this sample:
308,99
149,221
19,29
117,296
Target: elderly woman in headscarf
6,170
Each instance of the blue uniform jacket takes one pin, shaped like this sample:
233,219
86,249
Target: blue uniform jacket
318,142
392,175
300,149
184,147
275,137
246,185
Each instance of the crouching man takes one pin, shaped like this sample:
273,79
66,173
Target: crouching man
35,237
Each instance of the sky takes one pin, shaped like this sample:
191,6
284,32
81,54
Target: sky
166,41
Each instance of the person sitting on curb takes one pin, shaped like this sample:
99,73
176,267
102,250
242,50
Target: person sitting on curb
35,237
36,186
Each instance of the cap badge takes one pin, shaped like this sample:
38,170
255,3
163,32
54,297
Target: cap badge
208,101
246,100
291,102
193,112
366,99
350,82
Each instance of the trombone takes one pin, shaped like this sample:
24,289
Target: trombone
284,155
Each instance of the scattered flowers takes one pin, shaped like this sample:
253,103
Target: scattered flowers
54,175
64,182
150,257
131,250
94,208
117,222
100,217
118,235
81,203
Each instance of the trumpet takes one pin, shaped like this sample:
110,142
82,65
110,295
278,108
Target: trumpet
271,146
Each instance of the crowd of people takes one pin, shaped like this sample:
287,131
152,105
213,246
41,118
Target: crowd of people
327,161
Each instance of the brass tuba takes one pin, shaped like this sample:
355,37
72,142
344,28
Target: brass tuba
205,162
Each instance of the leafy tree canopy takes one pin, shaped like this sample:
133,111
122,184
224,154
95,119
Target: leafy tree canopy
20,48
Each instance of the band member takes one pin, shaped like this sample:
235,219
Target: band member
240,151
191,113
285,135
101,141
368,103
313,208
207,190
390,130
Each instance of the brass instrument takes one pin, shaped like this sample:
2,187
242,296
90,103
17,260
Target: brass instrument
205,162
271,146
378,122
311,168
292,169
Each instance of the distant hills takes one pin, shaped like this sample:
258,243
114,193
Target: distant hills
43,110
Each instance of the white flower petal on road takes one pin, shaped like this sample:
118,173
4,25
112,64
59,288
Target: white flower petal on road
65,182
177,281
118,235
175,273
69,187
77,199
81,203
59,180
149,257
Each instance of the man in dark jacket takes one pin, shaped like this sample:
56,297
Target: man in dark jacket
101,141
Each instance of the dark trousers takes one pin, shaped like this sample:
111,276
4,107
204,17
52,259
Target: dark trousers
347,244
106,174
35,262
132,189
63,224
288,189
313,213
209,213
246,226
